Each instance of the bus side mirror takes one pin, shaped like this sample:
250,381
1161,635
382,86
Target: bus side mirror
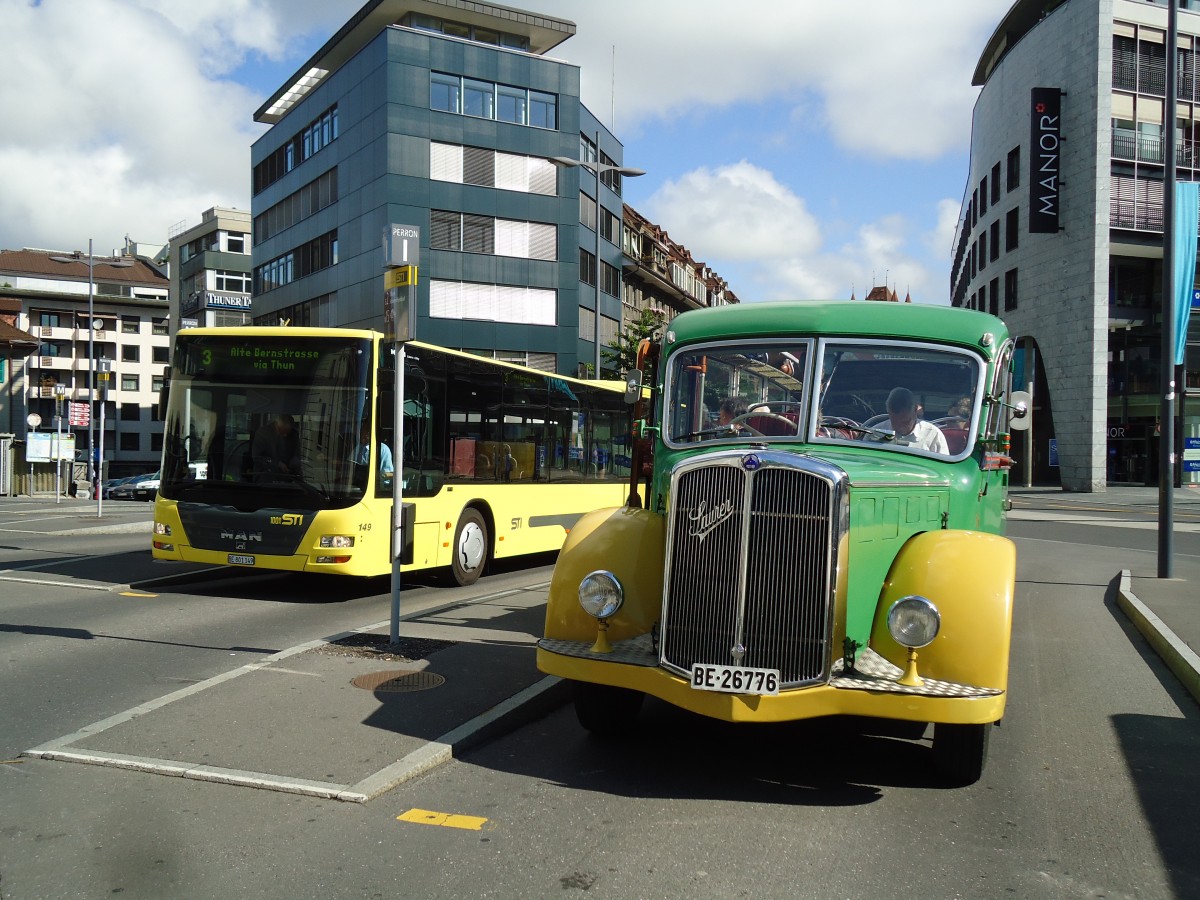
1021,405
164,393
633,386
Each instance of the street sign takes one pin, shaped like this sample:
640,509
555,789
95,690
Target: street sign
1191,454
402,245
80,415
401,276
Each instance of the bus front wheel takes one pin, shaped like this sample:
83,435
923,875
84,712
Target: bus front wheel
470,547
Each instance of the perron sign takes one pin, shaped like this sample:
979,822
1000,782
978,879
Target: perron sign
1045,159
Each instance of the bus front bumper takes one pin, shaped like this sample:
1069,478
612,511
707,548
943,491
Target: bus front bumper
870,690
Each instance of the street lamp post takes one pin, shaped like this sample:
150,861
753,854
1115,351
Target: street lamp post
94,464
596,168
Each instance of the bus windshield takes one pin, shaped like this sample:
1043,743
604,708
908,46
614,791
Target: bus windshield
253,421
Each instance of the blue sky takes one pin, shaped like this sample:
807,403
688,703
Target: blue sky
800,148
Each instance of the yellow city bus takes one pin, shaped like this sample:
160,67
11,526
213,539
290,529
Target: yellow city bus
279,443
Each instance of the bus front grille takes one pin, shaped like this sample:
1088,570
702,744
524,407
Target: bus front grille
751,565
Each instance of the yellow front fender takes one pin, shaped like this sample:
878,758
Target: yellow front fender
627,542
970,577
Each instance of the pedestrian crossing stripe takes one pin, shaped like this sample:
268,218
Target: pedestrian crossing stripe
449,820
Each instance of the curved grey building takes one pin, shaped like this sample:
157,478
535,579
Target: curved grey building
1061,228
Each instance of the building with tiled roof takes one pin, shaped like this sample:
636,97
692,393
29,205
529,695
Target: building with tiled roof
47,295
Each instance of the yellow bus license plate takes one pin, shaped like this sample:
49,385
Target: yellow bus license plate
235,560
735,679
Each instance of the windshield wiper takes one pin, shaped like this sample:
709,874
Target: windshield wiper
836,425
708,432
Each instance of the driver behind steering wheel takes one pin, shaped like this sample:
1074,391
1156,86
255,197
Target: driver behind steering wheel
731,408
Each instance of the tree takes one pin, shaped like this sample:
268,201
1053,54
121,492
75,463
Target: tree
621,354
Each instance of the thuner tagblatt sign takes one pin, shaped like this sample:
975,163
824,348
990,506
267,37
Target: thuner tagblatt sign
1045,159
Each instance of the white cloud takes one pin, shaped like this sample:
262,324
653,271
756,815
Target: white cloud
738,212
892,80
123,120
772,248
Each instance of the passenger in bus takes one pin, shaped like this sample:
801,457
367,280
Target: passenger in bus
276,448
907,426
362,452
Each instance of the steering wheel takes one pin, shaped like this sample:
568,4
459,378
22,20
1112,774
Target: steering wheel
741,420
876,420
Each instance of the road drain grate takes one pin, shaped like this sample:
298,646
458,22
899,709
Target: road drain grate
398,682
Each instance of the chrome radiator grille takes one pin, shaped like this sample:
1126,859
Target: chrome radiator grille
750,567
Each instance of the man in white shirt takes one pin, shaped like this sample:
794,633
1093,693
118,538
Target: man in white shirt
910,430
362,453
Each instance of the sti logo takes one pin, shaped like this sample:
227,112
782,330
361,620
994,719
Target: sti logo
288,519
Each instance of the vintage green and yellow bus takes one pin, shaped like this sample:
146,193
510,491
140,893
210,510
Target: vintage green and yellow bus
279,443
815,529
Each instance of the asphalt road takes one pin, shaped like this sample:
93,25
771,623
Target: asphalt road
1089,792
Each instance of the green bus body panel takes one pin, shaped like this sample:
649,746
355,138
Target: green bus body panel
832,318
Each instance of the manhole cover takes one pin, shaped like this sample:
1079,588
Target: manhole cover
398,682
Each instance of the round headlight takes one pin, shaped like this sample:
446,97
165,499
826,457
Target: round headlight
913,621
600,594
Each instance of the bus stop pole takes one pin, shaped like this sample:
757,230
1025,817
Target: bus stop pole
397,495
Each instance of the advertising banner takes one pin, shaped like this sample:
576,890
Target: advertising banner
1045,159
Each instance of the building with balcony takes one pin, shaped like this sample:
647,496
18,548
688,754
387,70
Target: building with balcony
660,273
1061,225
210,271
446,116
47,293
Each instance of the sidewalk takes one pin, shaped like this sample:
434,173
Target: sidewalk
1165,610
345,718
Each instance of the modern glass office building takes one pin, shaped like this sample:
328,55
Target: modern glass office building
443,115
1061,229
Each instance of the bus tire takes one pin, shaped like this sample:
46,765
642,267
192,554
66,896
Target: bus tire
605,710
471,546
960,751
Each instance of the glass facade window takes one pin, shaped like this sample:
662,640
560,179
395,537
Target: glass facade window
444,92
319,133
511,104
543,110
587,267
479,98
487,100
1010,290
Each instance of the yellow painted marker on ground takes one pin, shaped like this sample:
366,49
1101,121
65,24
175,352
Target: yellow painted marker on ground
449,820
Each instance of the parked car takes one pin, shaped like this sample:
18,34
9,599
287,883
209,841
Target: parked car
111,484
127,488
146,487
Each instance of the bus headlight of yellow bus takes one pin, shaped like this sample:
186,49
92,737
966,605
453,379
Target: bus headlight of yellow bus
339,541
601,595
913,622
164,529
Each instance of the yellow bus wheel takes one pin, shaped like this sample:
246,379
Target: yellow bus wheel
960,751
606,710
471,547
